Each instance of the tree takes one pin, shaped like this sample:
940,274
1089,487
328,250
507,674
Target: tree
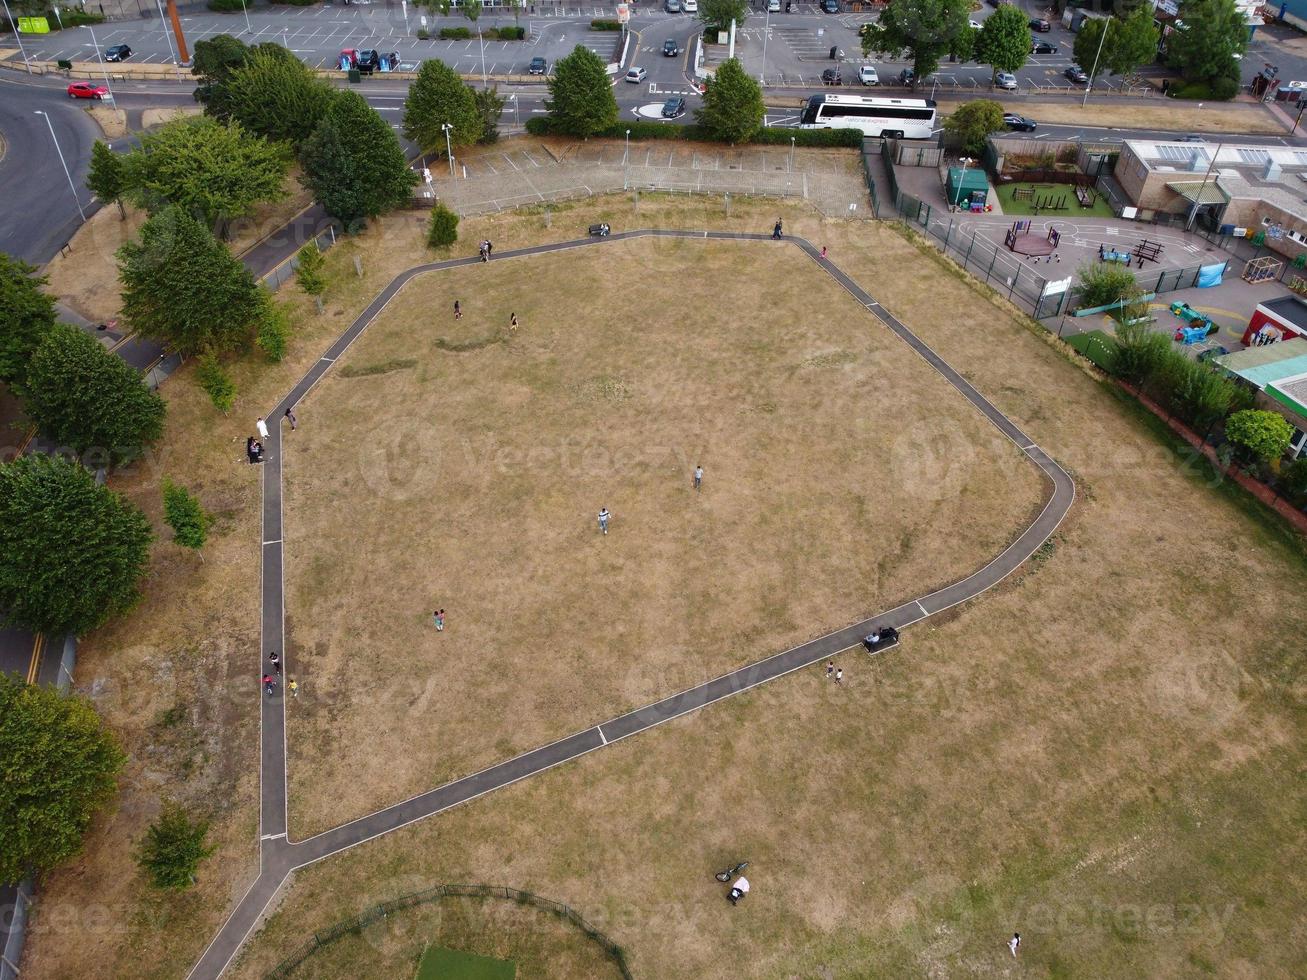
1132,42
353,163
471,10
105,178
1004,39
216,382
214,171
273,330
443,231
732,109
1103,283
1294,477
1204,48
718,14
173,848
308,269
60,768
581,101
490,105
1262,435
80,395
972,122
926,29
183,287
277,97
215,60
26,315
189,521
71,551
1138,353
439,96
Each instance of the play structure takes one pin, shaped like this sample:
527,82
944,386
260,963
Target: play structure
1106,254
1144,249
1040,202
1200,325
1264,268
1022,240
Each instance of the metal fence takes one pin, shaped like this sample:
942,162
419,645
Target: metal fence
357,923
870,150
286,269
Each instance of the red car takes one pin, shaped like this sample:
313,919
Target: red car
85,90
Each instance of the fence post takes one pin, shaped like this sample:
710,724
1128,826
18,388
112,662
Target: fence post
991,265
967,258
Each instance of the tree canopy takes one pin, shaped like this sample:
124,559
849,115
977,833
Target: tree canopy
81,396
106,179
972,122
71,551
60,768
353,162
732,109
1263,435
581,100
1004,39
173,848
439,96
926,29
718,14
215,59
277,97
185,515
26,315
1204,48
183,287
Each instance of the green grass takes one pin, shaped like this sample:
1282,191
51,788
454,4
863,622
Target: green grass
1100,209
450,964
1095,345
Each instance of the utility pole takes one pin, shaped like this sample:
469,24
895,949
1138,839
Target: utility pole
1089,87
21,50
183,55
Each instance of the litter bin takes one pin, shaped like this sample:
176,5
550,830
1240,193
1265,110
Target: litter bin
355,76
834,52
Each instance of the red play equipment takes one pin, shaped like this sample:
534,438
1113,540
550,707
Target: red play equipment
1023,241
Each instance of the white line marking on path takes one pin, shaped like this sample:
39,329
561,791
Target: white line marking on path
922,608
266,543
600,730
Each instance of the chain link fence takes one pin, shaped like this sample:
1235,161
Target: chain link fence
286,269
357,923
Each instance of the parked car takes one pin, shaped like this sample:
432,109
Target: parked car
636,75
906,77
672,6
1214,351
1076,74
1006,81
867,75
975,25
674,107
117,52
1043,47
773,6
830,6
1042,26
1191,138
690,6
670,48
367,60
831,76
1013,121
87,90
348,58
538,66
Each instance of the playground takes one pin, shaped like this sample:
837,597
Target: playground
1052,200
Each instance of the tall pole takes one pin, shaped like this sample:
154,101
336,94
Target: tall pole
792,154
766,33
249,28
482,38
449,149
1094,71
183,55
171,50
99,56
17,37
961,180
71,186
1193,212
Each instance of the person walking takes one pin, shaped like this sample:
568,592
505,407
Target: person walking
290,417
1014,943
776,231
512,322
823,251
439,617
603,519
262,426
698,477
490,249
458,311
839,676
269,684
830,669
275,661
293,688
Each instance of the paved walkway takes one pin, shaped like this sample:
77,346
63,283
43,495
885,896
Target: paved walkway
279,856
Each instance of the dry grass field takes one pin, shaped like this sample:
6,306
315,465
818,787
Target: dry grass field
1178,115
459,464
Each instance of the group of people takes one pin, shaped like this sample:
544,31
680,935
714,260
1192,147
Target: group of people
254,446
486,249
270,679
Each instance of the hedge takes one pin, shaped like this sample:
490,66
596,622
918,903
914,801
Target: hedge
72,17
605,25
767,136
507,33
455,34
226,6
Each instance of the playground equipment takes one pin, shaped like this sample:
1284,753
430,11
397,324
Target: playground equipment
1265,268
1106,254
1192,317
1152,251
1194,335
1086,196
1040,202
1022,240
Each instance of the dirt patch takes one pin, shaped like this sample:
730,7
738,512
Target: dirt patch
1175,115
112,122
157,117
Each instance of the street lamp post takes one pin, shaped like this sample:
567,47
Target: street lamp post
249,28
966,161
71,186
99,56
766,33
1089,87
792,154
449,149
1198,199
21,50
626,170
163,25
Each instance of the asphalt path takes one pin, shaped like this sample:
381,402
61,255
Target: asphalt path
279,856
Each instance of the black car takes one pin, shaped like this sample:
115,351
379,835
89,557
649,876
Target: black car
1216,351
1076,74
368,60
670,49
906,77
831,76
1042,26
117,52
538,66
1043,47
673,107
830,6
1013,121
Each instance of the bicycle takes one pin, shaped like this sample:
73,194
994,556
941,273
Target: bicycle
730,873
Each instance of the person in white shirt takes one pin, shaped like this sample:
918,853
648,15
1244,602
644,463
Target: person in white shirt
738,890
603,519
1014,943
262,426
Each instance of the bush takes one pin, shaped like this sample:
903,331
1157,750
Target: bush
75,18
1191,90
605,25
1225,89
217,384
1139,352
1261,435
184,514
507,33
443,230
226,6
274,331
1294,477
1102,283
767,136
424,34
455,34
173,848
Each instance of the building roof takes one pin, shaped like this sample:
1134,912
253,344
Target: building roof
1196,190
1272,175
1269,363
1290,309
1291,393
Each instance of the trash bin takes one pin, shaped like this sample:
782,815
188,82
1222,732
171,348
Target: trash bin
355,76
834,52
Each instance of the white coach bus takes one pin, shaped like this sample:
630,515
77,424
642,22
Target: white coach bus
912,119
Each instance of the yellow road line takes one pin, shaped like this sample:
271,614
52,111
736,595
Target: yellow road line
34,669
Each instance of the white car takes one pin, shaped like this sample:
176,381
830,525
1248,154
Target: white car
690,6
1006,80
773,6
867,75
636,75
975,25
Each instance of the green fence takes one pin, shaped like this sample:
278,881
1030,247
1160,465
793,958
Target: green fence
357,923
871,148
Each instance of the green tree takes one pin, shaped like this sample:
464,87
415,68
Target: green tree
173,848
1262,435
1204,48
1004,39
718,14
214,61
105,178
1102,283
71,551
972,122
926,29
354,164
471,10
273,330
490,105
1139,352
216,382
1294,477
60,768
439,96
1132,41
308,269
215,171
26,316
189,521
1090,48
183,287
277,97
581,100
443,230
732,109
80,395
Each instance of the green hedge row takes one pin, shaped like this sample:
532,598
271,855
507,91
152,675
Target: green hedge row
72,17
226,6
767,136
490,33
1218,89
605,25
